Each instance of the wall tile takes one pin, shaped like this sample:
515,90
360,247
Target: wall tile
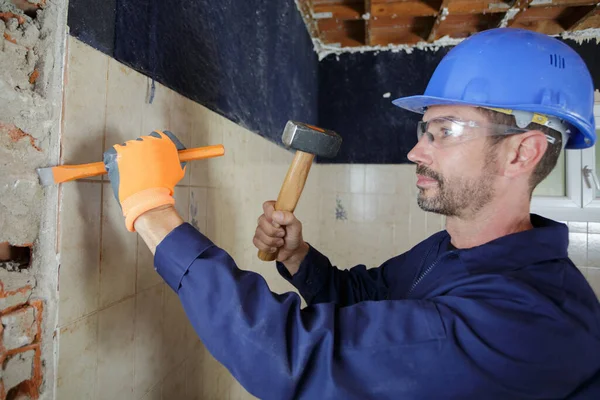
155,393
407,180
191,338
197,208
372,210
578,248
578,227
593,277
126,97
119,253
148,338
194,378
116,351
156,116
342,178
216,380
381,178
77,359
366,243
174,330
278,155
593,250
84,108
434,223
354,204
174,384
593,227
402,242
79,250
207,130
180,123
146,275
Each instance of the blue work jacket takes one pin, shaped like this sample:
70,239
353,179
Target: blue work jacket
510,319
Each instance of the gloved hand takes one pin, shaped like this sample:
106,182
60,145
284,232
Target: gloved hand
143,173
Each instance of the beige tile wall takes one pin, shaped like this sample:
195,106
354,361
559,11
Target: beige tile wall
123,333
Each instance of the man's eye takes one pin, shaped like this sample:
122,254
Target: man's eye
447,132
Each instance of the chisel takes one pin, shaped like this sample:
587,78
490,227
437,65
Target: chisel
66,173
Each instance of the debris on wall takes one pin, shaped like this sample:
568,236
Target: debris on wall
32,42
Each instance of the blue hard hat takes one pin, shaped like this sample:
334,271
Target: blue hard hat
519,70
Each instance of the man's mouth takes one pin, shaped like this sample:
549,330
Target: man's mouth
426,177
425,181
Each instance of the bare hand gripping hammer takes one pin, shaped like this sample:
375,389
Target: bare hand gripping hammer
308,141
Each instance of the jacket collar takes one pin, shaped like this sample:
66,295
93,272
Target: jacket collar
548,240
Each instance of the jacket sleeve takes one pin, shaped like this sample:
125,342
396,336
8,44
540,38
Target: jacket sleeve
320,282
411,349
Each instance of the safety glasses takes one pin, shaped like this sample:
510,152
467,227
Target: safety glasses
446,131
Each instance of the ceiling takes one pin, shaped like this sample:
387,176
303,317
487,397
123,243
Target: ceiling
354,23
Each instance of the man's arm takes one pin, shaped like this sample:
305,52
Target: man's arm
386,349
318,281
309,270
154,225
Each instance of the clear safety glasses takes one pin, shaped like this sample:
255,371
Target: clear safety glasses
445,131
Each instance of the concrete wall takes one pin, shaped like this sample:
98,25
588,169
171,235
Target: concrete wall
31,60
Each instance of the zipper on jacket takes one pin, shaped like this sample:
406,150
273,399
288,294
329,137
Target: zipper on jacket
427,271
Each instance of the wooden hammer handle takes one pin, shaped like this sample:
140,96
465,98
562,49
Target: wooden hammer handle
291,190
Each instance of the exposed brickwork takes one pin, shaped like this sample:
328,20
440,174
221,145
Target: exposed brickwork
15,133
15,289
20,337
19,328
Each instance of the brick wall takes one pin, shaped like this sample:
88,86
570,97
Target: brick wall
20,337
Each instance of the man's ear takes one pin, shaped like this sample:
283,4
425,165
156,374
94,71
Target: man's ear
525,152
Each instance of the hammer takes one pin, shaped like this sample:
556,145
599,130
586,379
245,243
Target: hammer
308,141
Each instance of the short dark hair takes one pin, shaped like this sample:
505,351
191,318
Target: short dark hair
550,157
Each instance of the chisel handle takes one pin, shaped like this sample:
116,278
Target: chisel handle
66,173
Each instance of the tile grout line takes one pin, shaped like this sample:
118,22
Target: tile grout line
137,244
135,300
97,311
100,309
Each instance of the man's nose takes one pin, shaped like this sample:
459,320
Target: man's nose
421,153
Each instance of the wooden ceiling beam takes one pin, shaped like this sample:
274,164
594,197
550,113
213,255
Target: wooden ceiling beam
477,7
338,11
518,7
403,9
583,21
441,16
368,9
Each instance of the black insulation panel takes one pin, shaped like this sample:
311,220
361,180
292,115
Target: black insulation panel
253,62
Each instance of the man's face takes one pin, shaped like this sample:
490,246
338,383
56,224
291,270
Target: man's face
455,179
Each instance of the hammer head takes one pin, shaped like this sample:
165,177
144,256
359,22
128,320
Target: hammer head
311,139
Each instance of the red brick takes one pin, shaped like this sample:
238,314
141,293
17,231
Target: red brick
15,289
20,328
21,379
18,368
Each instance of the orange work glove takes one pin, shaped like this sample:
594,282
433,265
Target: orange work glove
143,173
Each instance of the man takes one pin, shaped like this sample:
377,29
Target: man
491,308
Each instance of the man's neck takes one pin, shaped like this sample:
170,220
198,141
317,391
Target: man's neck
488,224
